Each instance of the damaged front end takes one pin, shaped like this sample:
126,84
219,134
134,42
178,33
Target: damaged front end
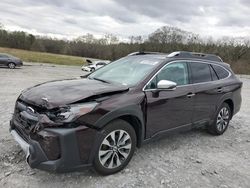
37,118
63,116
49,137
54,122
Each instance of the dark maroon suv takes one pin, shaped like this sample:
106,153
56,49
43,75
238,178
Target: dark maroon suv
99,120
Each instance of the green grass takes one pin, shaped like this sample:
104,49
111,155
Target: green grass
41,57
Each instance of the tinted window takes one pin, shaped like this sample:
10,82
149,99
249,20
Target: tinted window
221,72
213,74
200,72
176,72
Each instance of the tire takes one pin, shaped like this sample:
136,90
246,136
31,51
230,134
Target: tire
92,69
11,65
221,120
113,155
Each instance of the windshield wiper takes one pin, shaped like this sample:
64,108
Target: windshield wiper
101,80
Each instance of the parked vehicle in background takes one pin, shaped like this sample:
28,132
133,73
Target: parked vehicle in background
99,120
94,65
10,61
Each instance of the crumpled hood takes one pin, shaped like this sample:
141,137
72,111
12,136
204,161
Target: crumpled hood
59,93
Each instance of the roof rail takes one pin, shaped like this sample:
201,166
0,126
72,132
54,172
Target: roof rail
143,53
184,54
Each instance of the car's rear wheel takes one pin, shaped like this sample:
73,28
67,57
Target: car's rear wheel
12,65
116,147
221,120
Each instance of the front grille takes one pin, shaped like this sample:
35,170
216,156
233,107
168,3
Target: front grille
22,132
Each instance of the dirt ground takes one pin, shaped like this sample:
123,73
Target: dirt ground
191,159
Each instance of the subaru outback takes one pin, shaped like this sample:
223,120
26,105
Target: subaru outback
98,120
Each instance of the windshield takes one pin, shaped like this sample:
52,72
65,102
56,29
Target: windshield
126,71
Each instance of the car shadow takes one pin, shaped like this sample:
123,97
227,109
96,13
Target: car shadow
10,69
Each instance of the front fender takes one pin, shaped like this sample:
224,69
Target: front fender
130,110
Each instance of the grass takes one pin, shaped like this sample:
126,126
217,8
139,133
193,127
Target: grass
42,57
241,67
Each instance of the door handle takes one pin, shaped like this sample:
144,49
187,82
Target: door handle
190,95
219,90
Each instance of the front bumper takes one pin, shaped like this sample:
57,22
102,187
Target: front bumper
74,154
24,145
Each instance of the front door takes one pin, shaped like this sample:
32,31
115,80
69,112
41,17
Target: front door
169,109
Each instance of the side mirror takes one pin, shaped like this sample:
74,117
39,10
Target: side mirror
166,84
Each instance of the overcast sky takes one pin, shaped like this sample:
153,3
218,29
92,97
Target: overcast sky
72,18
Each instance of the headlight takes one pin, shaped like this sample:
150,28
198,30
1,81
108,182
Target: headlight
73,112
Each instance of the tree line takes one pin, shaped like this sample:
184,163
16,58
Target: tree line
165,39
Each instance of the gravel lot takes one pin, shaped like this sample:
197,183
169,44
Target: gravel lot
191,159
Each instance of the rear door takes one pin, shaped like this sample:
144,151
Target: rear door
169,109
207,90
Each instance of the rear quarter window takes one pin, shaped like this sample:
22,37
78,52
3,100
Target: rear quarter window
220,71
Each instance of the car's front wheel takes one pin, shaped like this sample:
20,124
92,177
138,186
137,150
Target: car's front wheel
12,65
116,147
221,120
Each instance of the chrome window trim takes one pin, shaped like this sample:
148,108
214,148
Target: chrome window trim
187,61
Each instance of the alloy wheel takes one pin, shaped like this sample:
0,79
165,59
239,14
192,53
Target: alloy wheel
222,119
11,65
115,149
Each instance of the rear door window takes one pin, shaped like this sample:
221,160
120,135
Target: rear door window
200,72
221,72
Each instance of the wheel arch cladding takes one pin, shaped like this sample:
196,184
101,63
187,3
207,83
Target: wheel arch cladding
11,62
231,105
135,123
131,114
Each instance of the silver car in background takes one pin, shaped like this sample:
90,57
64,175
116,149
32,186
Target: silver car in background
10,61
94,65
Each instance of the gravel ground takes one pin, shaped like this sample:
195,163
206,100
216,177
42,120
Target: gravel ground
191,159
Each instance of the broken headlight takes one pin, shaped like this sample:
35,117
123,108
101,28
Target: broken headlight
72,112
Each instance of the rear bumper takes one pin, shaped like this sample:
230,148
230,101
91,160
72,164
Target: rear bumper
19,64
70,158
237,99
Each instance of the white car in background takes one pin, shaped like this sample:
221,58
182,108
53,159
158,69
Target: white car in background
94,65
